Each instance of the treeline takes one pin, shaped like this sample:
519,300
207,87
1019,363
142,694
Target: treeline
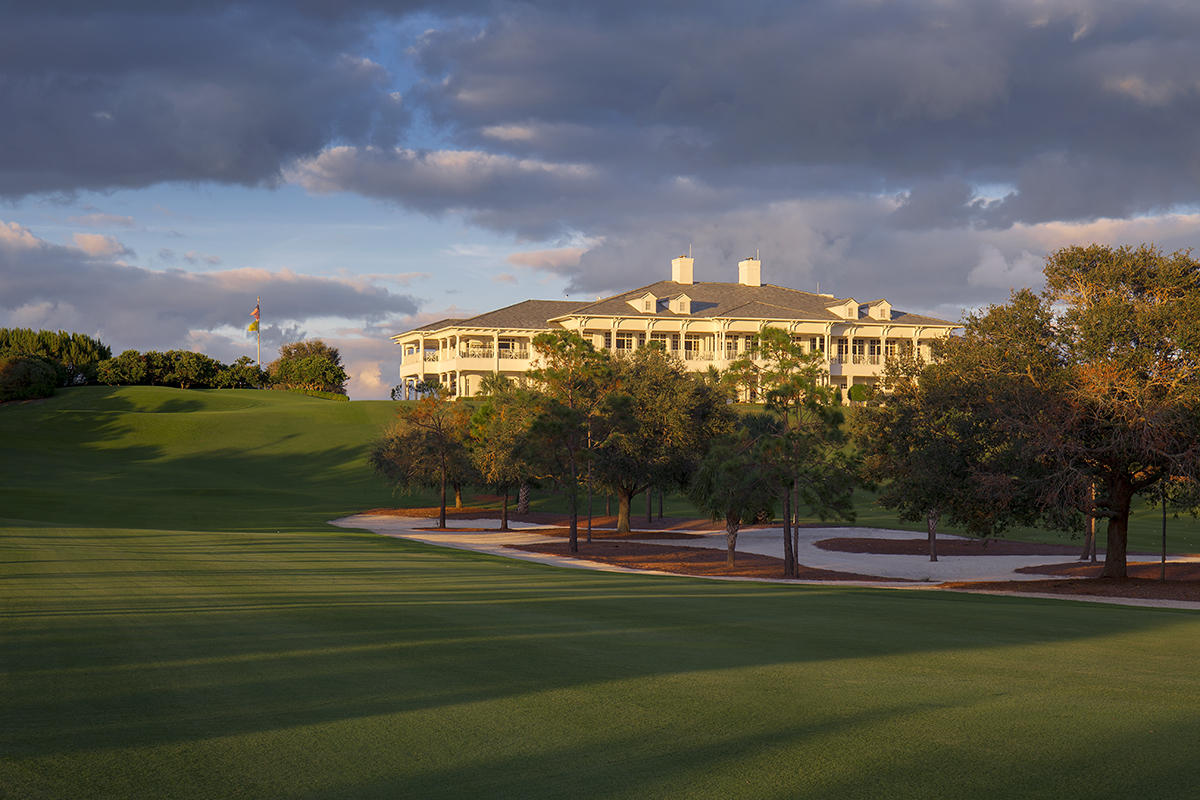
33,363
628,424
312,367
183,369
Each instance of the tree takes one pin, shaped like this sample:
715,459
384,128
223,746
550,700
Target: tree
737,481
573,383
311,365
425,446
656,427
939,455
127,369
500,441
74,356
241,374
26,377
189,370
1097,381
808,441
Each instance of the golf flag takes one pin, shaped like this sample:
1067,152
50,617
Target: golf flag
253,326
255,314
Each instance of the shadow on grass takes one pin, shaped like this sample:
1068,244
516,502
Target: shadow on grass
206,640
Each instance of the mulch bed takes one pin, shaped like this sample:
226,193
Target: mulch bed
945,547
1178,571
1135,588
688,560
549,518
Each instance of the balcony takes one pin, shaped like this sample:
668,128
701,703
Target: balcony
477,352
521,354
433,355
698,355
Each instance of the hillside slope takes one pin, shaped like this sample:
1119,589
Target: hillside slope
149,456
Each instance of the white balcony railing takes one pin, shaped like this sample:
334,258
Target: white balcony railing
433,355
521,354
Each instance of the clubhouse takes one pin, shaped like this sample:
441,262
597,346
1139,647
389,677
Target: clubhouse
704,324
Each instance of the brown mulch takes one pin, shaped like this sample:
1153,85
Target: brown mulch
549,518
1176,571
688,560
945,547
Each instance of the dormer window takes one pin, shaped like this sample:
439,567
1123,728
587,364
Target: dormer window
647,303
682,304
846,310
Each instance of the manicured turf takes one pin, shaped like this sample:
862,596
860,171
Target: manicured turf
170,643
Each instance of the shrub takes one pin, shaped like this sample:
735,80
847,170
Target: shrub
309,365
26,377
241,374
127,369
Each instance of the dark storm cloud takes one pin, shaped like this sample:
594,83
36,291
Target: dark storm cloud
888,94
127,96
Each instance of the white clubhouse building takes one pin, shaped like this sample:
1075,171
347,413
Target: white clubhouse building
703,324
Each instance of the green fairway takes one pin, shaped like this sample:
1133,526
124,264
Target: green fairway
177,621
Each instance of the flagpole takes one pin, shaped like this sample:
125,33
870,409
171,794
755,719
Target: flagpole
258,331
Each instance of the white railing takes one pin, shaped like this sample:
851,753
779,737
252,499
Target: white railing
433,355
477,352
515,355
698,355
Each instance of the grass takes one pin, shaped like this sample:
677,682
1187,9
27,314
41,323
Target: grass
170,643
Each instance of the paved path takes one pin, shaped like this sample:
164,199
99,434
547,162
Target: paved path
764,541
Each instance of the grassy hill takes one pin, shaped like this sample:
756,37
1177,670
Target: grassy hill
148,456
160,638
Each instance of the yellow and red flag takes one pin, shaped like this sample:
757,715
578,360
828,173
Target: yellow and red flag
255,314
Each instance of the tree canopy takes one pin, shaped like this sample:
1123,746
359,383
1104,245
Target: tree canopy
1095,382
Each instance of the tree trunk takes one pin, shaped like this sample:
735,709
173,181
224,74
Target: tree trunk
731,532
649,505
789,557
624,501
458,497
608,504
931,521
504,512
1089,533
1120,492
442,505
660,503
523,499
795,529
573,507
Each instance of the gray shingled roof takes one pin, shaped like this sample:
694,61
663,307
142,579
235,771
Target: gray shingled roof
709,299
713,299
527,314
441,323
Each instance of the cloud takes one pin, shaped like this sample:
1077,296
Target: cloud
96,244
557,260
102,220
994,270
196,257
227,92
46,284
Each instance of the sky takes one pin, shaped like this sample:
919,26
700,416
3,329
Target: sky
366,167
